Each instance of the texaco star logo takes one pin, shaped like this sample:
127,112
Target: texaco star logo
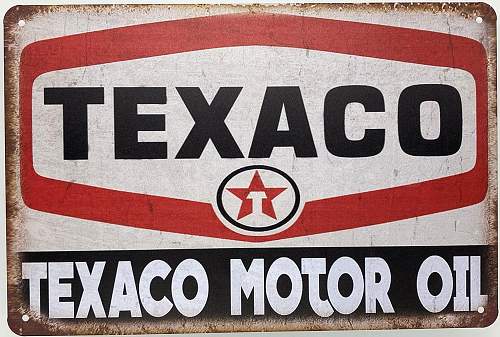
258,199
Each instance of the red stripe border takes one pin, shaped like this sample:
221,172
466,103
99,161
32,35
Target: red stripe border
197,218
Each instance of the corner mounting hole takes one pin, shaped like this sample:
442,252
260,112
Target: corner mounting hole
25,318
479,19
21,23
480,310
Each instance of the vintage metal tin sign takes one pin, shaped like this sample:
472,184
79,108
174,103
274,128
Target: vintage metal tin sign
249,168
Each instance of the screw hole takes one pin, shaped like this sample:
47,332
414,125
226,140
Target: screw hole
21,23
480,310
25,318
479,19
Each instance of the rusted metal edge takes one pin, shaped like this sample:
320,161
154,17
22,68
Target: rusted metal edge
466,10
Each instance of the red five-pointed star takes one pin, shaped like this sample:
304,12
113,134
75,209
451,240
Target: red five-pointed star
256,185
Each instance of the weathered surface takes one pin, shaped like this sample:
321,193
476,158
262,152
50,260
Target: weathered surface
27,229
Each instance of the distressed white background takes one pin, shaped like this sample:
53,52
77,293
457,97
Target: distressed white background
46,231
253,68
